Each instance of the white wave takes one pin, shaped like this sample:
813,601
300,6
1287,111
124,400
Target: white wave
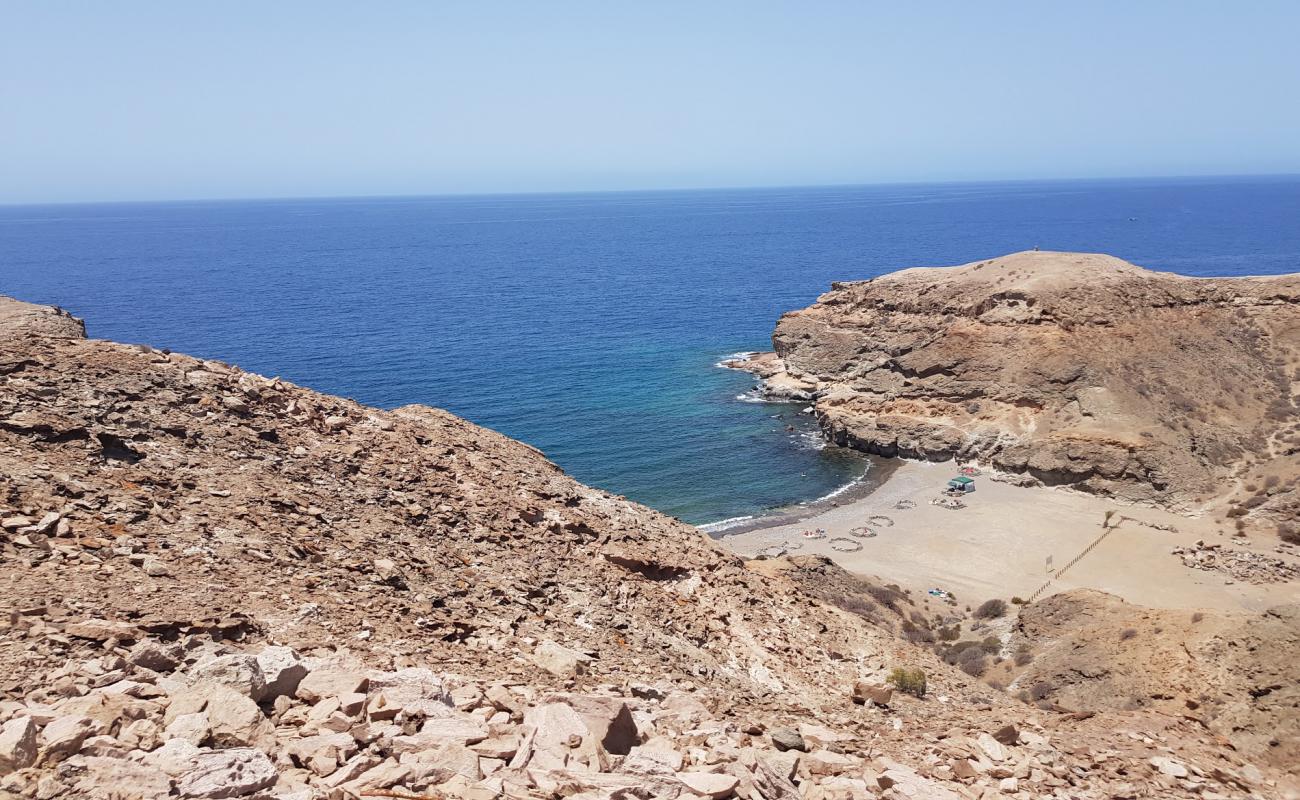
743,354
813,440
755,397
723,524
835,493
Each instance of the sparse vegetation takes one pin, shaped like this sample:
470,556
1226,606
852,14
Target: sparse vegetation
1023,656
1288,532
909,681
1040,690
972,661
991,609
1127,633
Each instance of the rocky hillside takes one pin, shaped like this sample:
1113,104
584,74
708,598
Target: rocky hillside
217,584
1236,673
1067,368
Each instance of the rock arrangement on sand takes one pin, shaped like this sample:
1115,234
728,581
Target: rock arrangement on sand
1243,565
218,584
1067,368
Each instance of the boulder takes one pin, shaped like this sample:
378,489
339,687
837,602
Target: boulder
103,746
440,764
234,772
322,683
239,672
559,660
64,735
820,736
143,734
154,656
827,762
878,694
193,728
17,744
901,781
109,709
992,747
383,775
237,721
761,776
709,784
787,739
416,691
462,730
338,746
282,671
1007,735
500,698
119,778
1168,766
657,756
100,630
608,720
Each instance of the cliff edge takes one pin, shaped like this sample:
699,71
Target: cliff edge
1068,368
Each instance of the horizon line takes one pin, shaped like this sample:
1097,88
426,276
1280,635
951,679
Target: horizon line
660,190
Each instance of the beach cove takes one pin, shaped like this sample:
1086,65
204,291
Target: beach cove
999,543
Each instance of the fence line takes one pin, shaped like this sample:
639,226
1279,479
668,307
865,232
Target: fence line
1073,561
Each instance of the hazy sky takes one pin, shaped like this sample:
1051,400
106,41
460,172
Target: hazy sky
168,99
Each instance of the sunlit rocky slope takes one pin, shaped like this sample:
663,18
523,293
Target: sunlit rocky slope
217,584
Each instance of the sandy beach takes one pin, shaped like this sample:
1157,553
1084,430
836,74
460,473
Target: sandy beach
998,545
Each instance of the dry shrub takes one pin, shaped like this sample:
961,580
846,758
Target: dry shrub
973,662
909,681
991,609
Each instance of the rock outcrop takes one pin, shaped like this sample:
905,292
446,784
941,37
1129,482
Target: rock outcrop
1070,369
216,584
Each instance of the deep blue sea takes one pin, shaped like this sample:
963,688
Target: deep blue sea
589,324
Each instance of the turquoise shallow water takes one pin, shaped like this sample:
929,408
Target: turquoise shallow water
589,325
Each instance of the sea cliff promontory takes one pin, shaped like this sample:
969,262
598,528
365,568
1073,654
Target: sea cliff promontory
1065,368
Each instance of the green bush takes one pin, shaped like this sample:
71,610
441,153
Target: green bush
991,609
908,681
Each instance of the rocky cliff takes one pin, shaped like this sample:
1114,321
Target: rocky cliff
217,584
1067,368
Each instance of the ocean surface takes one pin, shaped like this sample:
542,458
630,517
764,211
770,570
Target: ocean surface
589,325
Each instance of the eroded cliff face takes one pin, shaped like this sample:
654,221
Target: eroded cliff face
1069,368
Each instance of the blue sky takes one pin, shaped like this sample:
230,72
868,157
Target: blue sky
157,100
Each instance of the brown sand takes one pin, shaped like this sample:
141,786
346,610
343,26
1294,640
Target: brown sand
998,545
